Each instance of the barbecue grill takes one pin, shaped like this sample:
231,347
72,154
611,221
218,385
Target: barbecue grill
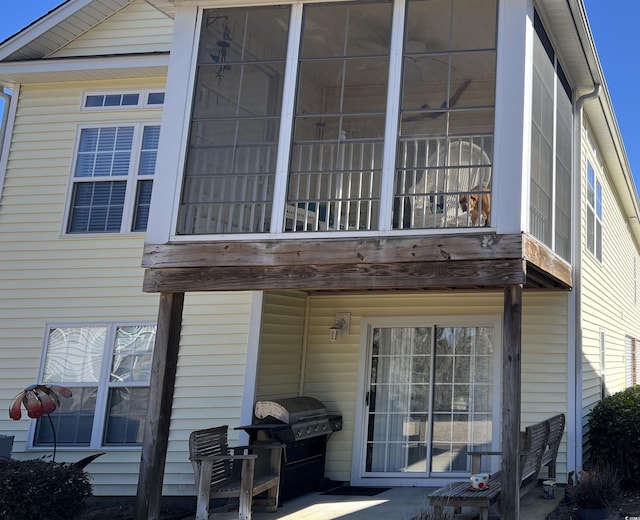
304,426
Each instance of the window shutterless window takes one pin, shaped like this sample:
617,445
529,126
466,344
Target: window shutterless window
108,369
594,213
122,100
113,178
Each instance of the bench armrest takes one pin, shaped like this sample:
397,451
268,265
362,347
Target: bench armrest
476,456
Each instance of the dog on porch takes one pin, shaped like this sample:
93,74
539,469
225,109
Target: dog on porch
477,203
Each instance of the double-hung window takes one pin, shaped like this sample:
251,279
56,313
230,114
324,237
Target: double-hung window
107,367
594,213
113,178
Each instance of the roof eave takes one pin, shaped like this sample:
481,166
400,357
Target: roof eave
84,69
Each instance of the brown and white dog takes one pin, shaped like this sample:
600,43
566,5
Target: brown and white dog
477,202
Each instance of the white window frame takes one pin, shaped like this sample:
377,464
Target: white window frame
602,342
143,97
132,179
103,386
592,210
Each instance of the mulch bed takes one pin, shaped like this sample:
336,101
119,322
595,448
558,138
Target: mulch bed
625,507
97,510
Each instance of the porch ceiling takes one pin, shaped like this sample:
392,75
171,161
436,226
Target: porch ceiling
434,262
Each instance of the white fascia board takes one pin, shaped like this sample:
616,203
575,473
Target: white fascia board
55,69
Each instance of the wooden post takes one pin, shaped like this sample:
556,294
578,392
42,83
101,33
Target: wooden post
156,430
511,405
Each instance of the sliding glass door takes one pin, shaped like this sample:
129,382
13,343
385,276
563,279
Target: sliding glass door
429,398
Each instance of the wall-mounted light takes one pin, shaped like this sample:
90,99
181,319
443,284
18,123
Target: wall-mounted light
340,327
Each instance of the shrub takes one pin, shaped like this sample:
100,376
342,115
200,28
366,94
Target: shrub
595,489
41,490
614,430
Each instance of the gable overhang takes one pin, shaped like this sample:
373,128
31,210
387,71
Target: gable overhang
84,69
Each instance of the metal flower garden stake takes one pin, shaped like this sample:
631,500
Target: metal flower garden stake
39,400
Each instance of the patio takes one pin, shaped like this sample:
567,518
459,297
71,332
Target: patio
393,504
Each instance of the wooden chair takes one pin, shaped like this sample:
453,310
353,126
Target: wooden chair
224,472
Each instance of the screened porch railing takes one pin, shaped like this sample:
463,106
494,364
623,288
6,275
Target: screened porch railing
337,186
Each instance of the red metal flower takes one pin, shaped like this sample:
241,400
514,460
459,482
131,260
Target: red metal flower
37,400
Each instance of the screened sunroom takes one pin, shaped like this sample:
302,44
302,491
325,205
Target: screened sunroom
350,116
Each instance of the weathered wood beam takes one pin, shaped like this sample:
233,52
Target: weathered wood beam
546,260
156,429
460,274
336,250
511,406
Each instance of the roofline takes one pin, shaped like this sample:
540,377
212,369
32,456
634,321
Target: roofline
108,67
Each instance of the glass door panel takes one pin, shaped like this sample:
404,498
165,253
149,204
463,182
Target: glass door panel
429,399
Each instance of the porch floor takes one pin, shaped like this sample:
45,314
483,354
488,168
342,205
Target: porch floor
394,504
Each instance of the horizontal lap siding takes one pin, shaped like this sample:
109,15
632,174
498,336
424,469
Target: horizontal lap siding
88,279
210,378
138,28
609,300
332,369
281,340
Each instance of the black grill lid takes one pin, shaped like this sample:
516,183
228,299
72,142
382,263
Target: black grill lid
291,410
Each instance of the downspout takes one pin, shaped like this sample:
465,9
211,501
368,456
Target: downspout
574,434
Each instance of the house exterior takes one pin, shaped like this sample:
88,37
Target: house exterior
192,191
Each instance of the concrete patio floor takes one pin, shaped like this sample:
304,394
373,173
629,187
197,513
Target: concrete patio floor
394,504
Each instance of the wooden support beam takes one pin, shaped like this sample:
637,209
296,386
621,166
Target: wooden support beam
335,251
343,277
156,430
511,405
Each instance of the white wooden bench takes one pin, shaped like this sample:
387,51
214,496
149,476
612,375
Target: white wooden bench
538,446
224,472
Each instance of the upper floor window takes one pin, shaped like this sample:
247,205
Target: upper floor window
122,100
388,121
551,148
113,178
108,370
594,213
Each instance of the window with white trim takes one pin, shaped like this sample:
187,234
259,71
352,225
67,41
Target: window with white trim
632,361
594,213
107,368
122,100
113,178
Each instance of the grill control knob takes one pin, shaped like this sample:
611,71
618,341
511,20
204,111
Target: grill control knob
298,433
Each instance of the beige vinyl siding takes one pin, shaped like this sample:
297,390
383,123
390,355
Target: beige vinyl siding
332,369
88,279
137,28
608,290
281,345
210,379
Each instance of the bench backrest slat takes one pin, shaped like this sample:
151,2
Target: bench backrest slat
536,441
213,441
